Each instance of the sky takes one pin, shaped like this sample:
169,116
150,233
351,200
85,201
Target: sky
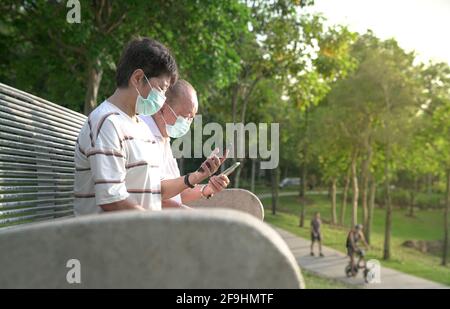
420,25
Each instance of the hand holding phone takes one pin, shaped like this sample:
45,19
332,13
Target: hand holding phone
213,157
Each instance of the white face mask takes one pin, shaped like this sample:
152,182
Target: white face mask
152,104
180,127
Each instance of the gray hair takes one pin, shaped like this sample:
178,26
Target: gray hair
180,89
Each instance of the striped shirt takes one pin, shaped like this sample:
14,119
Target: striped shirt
115,158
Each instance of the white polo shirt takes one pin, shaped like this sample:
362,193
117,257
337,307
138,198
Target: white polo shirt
115,158
169,165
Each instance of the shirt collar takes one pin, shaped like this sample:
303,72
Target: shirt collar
154,128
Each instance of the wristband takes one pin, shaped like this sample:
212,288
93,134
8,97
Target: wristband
186,181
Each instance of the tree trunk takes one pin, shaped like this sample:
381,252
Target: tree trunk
95,73
365,185
373,188
259,174
304,176
446,211
388,227
429,183
234,101
302,196
234,104
344,198
252,179
412,198
333,201
245,102
355,191
275,182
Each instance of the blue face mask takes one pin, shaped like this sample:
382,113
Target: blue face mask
180,127
152,103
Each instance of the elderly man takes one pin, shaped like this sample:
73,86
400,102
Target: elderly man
173,120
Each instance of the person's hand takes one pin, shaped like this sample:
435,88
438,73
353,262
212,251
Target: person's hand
216,184
211,164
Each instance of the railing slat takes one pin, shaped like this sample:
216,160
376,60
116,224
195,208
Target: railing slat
38,154
36,123
30,119
67,122
20,211
13,181
7,126
53,201
31,140
38,101
34,147
24,195
34,188
20,159
55,214
37,168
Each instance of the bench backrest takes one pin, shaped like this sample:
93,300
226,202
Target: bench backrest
37,142
213,248
237,199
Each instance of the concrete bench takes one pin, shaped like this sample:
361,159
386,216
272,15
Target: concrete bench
170,249
202,248
237,199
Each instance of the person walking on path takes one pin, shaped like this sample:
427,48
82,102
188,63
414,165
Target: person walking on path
316,235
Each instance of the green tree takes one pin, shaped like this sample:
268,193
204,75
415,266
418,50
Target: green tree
309,86
64,62
373,109
389,72
436,129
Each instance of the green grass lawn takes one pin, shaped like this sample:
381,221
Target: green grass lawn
427,225
315,282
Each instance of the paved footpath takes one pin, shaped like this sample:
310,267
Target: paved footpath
334,262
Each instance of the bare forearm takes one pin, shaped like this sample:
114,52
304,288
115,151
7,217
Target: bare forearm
127,204
216,184
172,187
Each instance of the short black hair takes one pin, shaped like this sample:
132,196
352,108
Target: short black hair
149,55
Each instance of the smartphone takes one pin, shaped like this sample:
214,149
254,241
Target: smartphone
231,169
